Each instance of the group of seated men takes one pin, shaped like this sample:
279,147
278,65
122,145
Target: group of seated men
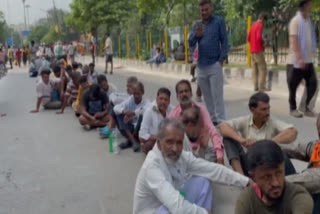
185,150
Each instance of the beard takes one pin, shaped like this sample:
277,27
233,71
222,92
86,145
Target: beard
270,197
169,160
185,100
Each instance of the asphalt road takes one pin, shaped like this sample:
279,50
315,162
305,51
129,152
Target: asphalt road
50,165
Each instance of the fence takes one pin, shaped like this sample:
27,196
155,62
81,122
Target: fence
175,46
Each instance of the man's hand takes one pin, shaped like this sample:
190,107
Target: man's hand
250,183
34,111
127,119
129,113
302,64
199,31
98,115
153,138
204,138
250,142
220,161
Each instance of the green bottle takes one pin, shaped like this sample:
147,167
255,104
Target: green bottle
111,142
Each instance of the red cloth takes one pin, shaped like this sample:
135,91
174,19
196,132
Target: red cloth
18,54
255,37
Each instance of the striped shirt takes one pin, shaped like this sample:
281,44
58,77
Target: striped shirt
72,91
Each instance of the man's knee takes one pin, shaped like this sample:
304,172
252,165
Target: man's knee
233,149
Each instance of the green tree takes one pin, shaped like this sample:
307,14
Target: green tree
38,33
89,15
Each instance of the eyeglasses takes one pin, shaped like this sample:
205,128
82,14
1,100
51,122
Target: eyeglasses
187,120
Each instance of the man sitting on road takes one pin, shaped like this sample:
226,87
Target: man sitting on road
129,116
243,132
106,87
184,96
83,86
310,177
94,108
271,193
197,135
164,184
93,75
45,88
117,98
158,111
71,93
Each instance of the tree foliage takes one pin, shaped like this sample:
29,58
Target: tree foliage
88,15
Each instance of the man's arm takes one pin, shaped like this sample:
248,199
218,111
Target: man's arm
224,41
297,51
215,136
145,125
168,195
64,104
287,136
242,207
214,172
297,207
193,39
284,133
38,105
119,109
227,131
84,113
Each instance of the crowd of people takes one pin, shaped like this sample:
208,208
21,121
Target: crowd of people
185,144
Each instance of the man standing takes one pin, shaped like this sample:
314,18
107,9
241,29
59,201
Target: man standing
164,184
10,56
157,112
109,53
211,36
271,193
300,65
259,65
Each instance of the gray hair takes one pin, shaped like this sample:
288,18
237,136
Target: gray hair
132,80
169,122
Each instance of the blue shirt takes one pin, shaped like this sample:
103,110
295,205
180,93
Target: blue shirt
213,45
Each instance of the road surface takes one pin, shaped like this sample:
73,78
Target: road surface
50,165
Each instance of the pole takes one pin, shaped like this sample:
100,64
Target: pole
248,44
166,43
24,14
150,39
186,44
128,46
139,48
28,17
119,46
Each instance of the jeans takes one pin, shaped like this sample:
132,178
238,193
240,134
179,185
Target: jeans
134,129
294,78
210,80
198,191
316,203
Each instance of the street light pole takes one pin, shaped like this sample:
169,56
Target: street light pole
28,17
24,12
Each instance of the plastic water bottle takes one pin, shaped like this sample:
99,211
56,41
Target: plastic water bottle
111,142
116,149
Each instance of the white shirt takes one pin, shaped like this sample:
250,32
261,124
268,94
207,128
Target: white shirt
130,105
158,183
118,97
108,46
44,90
151,120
